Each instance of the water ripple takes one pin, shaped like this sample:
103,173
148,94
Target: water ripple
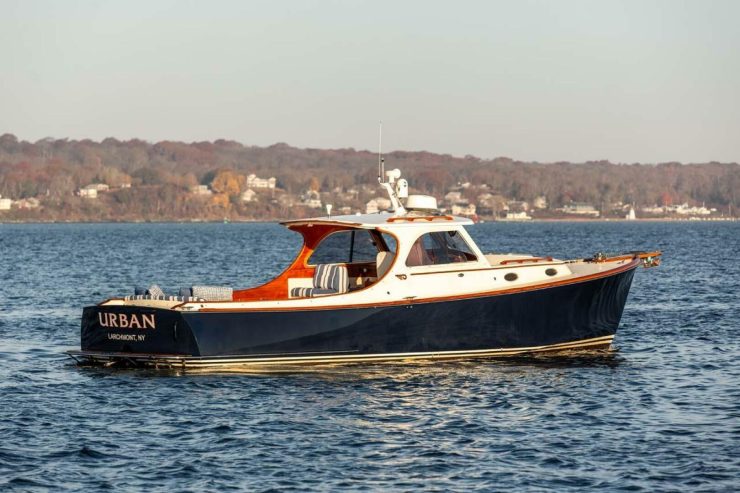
660,414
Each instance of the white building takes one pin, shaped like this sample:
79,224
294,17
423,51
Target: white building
685,210
100,187
5,204
518,206
580,209
516,216
463,209
540,202
92,190
249,196
455,197
377,204
88,193
201,190
491,201
255,182
312,199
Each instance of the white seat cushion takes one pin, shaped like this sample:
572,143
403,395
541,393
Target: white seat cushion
383,262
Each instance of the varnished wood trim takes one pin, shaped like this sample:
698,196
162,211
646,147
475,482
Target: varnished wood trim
525,260
318,222
635,255
419,218
277,288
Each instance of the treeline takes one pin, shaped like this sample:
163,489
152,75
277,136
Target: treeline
164,172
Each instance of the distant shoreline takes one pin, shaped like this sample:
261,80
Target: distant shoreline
622,220
484,221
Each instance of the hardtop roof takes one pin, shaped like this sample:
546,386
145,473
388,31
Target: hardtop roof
384,220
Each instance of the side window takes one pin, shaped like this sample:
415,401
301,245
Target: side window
334,249
354,246
390,242
443,247
364,248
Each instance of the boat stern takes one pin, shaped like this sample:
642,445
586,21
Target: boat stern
125,329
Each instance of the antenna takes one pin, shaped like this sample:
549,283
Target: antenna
381,161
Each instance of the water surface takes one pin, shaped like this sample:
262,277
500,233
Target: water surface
661,415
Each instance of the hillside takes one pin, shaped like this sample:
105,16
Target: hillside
159,181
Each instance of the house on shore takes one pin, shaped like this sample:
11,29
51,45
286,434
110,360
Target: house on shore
463,209
377,204
253,181
201,190
249,195
92,190
311,199
580,209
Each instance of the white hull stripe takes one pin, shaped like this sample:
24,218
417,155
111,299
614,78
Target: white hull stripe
203,362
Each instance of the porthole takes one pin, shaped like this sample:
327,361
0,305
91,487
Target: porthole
511,276
551,271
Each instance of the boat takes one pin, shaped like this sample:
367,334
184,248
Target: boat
404,284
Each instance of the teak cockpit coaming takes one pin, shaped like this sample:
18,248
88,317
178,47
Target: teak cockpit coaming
395,295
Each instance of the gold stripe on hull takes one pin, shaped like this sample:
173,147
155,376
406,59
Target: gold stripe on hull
598,343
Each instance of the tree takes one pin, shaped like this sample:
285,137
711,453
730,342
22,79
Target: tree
228,182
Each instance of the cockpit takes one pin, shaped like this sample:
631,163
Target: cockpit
350,253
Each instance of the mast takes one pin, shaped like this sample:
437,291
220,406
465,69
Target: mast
381,161
392,176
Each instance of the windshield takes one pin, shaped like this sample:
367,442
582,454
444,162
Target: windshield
441,247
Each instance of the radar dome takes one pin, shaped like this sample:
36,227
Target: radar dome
421,202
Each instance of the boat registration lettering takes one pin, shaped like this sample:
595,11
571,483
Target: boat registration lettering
127,321
127,337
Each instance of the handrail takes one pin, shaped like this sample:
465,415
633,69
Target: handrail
524,260
414,218
649,259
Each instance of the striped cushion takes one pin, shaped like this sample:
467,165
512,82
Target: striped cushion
327,279
310,292
331,276
213,293
322,292
300,292
136,297
155,290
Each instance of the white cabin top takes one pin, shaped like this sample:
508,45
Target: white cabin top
386,220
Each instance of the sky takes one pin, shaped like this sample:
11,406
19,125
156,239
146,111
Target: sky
628,81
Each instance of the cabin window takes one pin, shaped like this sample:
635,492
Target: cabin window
353,246
390,242
442,247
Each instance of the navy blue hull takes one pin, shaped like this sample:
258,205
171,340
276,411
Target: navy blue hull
542,317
